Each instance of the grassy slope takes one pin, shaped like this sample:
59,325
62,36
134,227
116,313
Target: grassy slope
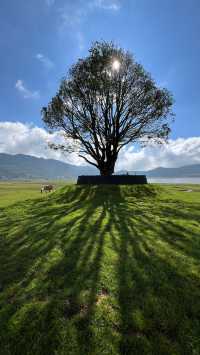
101,270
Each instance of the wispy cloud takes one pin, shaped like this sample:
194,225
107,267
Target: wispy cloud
50,2
74,14
113,5
83,7
26,93
45,60
80,40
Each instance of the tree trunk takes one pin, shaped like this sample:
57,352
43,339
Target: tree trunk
107,168
106,172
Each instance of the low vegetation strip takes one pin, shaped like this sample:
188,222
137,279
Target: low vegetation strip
101,270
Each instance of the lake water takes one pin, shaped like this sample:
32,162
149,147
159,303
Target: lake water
174,180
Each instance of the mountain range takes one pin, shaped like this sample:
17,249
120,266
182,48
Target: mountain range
25,167
22,167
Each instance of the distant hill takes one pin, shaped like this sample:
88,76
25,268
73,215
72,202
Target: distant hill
187,171
21,166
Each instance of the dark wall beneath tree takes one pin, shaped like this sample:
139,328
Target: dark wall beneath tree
113,180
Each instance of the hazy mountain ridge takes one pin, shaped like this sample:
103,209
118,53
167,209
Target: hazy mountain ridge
184,171
21,166
187,171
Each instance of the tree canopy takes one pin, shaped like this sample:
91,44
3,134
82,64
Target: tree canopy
106,101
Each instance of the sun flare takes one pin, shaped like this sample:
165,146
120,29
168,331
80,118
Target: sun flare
116,65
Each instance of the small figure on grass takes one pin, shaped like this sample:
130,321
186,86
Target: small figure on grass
47,188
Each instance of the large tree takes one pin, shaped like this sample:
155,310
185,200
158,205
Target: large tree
106,101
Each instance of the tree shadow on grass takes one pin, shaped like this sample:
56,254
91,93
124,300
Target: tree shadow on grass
92,270
51,261
158,291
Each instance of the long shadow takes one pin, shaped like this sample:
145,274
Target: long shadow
148,281
67,285
52,275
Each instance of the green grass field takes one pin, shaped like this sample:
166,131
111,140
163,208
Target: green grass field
99,270
14,191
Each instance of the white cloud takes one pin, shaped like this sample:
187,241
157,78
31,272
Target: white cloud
45,60
178,152
20,138
16,137
27,94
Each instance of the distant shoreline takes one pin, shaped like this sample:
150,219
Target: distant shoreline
171,181
183,180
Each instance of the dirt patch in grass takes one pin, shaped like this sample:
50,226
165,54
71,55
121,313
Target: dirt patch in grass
103,294
73,308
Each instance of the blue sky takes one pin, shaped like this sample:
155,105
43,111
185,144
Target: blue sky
40,39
